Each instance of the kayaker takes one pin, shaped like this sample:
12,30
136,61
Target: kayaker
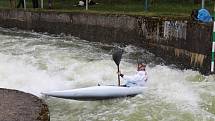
139,79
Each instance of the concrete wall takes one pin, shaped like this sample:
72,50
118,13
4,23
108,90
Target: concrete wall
178,40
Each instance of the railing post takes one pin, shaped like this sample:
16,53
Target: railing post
41,3
146,5
86,4
24,4
203,3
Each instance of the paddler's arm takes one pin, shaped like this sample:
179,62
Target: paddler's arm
124,76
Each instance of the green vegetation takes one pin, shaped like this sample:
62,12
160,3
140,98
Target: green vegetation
155,7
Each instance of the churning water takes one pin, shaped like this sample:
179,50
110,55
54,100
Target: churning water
39,62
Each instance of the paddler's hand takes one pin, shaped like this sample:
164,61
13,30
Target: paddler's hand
119,73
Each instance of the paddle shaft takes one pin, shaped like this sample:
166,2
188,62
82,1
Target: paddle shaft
118,76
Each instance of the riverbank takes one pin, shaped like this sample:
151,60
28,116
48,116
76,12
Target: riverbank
137,7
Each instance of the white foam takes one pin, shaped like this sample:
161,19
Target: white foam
171,85
15,74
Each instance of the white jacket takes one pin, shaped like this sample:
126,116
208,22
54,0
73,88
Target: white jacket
139,79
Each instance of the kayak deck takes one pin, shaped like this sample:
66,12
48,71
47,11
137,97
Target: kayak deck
97,93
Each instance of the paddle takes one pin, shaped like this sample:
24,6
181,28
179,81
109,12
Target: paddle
117,55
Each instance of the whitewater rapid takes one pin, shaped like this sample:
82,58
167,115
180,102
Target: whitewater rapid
38,62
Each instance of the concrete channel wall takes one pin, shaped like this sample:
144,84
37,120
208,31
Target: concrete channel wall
178,40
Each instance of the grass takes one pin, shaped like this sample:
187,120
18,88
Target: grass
159,7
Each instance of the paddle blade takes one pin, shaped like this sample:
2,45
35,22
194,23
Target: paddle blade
117,55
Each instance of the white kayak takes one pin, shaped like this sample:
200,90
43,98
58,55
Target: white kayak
97,92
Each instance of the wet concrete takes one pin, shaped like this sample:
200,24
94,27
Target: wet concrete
19,106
